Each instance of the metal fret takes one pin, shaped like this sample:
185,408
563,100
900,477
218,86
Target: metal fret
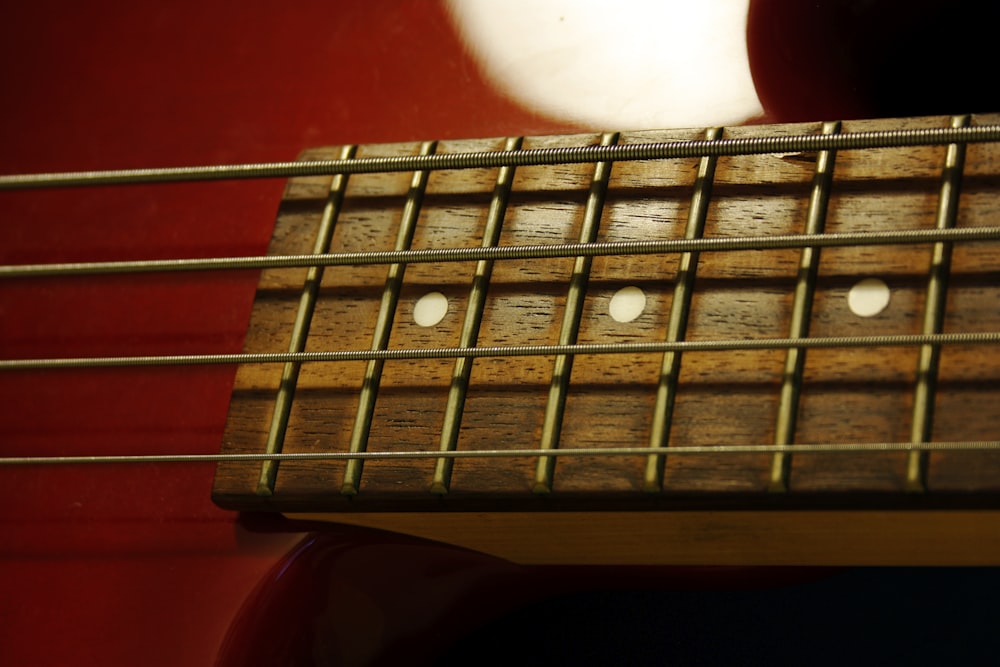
383,327
563,367
937,290
470,325
805,288
680,306
300,330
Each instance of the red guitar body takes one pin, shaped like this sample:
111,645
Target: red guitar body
133,564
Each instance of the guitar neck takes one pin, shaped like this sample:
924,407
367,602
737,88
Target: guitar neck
836,346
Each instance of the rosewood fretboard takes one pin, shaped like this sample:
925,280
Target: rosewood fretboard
860,420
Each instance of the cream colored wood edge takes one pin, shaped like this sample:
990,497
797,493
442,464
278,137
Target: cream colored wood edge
706,537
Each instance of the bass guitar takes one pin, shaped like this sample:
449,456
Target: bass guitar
876,444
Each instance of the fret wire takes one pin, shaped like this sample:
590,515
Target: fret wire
523,158
805,288
929,357
300,331
657,347
720,449
563,366
383,327
680,306
518,252
462,371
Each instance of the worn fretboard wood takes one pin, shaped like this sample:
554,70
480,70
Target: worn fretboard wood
718,398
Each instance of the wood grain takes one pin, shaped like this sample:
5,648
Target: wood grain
848,395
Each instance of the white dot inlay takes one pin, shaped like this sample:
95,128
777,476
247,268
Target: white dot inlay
430,309
868,298
627,304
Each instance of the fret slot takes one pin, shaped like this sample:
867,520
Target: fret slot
929,358
505,404
680,307
732,399
610,400
563,367
805,288
459,387
968,381
300,329
867,394
383,327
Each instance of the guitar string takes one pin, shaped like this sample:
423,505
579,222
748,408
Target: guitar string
712,345
510,252
517,158
816,448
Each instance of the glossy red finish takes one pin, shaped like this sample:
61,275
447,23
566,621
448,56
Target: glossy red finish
134,565
364,597
352,596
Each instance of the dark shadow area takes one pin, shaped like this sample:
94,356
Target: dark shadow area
860,616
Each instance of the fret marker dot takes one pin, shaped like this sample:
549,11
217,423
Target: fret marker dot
868,298
430,309
627,304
